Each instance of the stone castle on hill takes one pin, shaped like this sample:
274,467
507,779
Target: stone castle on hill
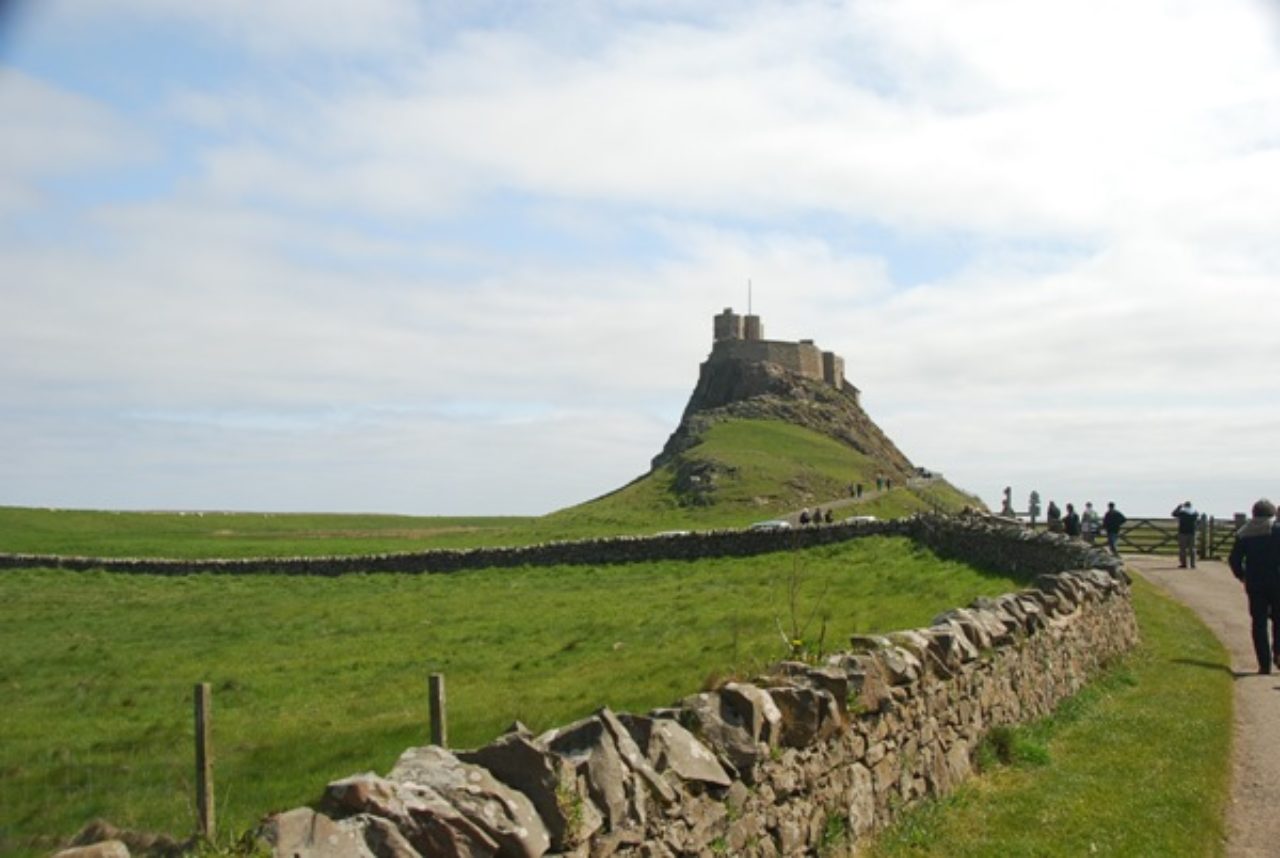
741,338
747,376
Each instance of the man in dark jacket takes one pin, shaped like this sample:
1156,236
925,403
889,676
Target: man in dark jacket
1187,518
1071,522
1111,523
1255,560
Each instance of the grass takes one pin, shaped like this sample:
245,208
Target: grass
764,468
315,678
242,534
775,468
1137,764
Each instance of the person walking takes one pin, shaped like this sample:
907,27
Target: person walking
1071,522
1255,561
1089,523
1187,518
1112,520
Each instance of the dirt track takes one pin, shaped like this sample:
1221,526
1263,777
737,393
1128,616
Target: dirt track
1253,817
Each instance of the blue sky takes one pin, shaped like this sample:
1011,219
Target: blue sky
463,257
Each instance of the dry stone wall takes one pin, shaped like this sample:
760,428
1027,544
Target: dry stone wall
618,549
806,759
1018,551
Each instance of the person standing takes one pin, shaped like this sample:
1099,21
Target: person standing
1187,518
1089,523
1006,506
1071,522
1112,520
1255,561
1053,518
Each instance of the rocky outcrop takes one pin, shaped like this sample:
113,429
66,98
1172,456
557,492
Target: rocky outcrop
771,767
729,389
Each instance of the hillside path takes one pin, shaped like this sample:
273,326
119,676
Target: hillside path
1253,815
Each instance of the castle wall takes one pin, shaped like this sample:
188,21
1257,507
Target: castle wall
803,358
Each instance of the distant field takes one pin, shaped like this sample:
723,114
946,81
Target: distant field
241,534
777,467
315,679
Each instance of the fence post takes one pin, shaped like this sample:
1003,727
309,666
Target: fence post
439,728
206,825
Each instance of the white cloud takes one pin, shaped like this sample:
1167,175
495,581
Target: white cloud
277,28
50,133
337,275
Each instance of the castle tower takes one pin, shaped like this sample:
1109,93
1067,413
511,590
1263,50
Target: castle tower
833,369
728,326
751,328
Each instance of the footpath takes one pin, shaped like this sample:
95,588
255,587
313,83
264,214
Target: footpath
1253,816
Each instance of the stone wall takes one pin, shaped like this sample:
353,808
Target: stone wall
1020,552
801,358
806,759
1017,551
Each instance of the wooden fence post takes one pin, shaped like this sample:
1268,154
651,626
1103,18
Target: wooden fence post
439,727
206,824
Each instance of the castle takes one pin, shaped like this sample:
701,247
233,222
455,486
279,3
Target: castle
741,338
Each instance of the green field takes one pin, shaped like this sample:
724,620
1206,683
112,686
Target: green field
776,468
317,678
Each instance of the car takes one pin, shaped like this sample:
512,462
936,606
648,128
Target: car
772,524
855,519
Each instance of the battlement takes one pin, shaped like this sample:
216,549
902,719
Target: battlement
741,338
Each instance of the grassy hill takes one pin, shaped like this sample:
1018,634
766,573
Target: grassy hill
743,470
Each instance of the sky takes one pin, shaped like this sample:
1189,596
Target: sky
463,257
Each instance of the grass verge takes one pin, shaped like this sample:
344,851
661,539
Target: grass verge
1137,764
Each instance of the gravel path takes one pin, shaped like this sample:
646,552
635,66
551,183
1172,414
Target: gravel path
1253,817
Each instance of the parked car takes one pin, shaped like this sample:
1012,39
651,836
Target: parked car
772,524
860,518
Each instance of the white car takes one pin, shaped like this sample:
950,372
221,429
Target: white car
860,518
772,524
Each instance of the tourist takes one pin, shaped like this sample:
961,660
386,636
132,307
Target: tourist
817,515
1255,560
827,516
1053,518
1071,522
1033,507
1187,518
1089,523
804,516
1112,520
